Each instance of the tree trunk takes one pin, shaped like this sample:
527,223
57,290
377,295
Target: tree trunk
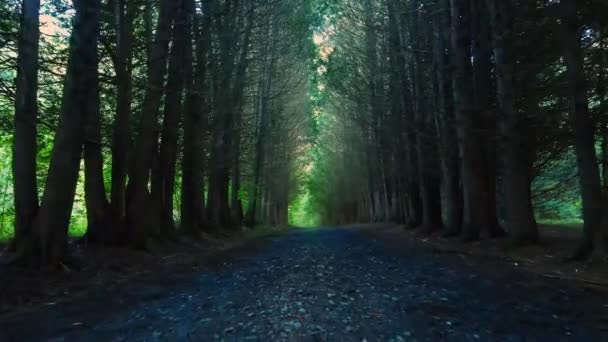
450,161
515,131
473,168
139,218
193,218
51,224
26,113
235,202
99,223
426,136
412,188
121,138
165,187
485,126
584,132
237,94
602,93
264,89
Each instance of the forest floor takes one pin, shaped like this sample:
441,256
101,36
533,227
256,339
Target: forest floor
550,258
329,284
96,267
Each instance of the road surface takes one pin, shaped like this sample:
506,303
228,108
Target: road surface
332,284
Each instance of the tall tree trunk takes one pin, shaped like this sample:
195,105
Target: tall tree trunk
139,218
51,224
165,187
485,127
237,95
426,146
584,132
235,202
193,217
450,163
218,208
254,193
515,129
397,107
99,223
412,188
26,113
121,138
264,89
475,192
602,93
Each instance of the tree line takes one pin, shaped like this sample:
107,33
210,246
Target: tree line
185,115
450,114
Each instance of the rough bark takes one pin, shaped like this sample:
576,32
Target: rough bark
51,224
485,125
475,195
426,147
165,187
584,132
139,218
26,113
450,161
515,131
99,223
412,187
121,136
231,46
235,202
264,89
193,218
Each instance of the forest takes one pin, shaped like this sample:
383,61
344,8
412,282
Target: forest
289,170
125,121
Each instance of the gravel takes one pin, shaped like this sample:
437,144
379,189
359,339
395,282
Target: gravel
332,284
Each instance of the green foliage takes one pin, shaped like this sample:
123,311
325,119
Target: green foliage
556,191
7,210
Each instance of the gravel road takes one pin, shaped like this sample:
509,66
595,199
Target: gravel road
329,284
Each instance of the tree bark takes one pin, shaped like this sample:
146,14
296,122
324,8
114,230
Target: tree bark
450,161
264,89
475,194
412,189
426,147
99,223
26,113
584,132
235,202
53,218
165,187
485,126
139,218
515,131
231,47
121,137
193,217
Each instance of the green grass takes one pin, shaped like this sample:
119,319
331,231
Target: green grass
77,229
6,233
572,223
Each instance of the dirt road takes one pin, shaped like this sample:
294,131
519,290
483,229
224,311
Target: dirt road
333,284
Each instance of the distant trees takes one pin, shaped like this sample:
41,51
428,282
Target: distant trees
481,95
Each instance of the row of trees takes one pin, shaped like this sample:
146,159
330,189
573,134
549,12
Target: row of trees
186,116
446,112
